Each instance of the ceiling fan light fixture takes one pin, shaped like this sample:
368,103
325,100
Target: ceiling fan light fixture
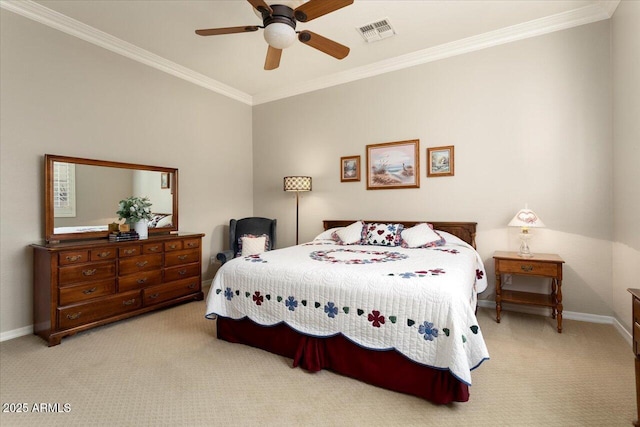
279,35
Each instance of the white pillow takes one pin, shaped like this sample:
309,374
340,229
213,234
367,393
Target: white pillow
350,235
253,245
327,234
421,236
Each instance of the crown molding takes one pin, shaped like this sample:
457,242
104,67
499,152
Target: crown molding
585,15
36,12
601,10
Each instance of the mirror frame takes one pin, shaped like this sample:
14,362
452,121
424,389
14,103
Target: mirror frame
49,159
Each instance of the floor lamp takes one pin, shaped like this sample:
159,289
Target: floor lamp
297,184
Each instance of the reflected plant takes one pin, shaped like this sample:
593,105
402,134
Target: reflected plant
134,209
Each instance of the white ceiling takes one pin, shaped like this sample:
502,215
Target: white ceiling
161,33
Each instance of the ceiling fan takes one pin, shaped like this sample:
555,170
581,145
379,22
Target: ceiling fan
279,23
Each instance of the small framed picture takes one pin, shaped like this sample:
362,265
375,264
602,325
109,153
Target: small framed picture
440,161
164,180
350,169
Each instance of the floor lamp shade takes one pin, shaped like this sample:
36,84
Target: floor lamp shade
297,184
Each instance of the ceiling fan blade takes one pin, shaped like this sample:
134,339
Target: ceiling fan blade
273,58
261,6
316,8
229,30
323,44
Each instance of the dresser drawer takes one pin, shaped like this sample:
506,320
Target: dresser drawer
527,267
73,294
98,309
191,243
128,251
139,280
168,291
103,254
73,257
181,257
86,272
174,245
181,272
152,248
139,263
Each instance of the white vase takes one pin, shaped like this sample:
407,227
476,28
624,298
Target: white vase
142,228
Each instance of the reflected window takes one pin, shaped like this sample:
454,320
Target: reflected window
64,190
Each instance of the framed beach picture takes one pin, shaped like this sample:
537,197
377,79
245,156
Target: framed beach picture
440,161
350,169
393,165
164,180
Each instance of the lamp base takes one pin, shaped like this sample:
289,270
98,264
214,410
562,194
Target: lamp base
524,251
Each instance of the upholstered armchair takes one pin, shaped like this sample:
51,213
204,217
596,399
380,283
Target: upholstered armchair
249,231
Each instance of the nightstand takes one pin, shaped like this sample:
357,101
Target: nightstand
541,265
636,345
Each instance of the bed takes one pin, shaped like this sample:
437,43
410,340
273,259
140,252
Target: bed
402,318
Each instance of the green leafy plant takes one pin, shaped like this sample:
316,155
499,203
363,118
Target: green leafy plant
134,209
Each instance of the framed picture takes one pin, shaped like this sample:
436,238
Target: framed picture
164,180
350,169
393,165
440,161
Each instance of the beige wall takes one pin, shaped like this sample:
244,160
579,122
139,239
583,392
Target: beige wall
530,122
626,155
61,95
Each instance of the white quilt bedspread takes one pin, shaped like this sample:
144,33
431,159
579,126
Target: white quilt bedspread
420,302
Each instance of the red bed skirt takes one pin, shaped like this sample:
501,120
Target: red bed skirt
384,368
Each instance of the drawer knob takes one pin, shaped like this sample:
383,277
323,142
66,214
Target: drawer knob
73,258
129,301
153,249
129,251
104,254
192,286
89,272
526,268
141,281
89,291
191,244
142,263
74,316
182,257
154,296
182,272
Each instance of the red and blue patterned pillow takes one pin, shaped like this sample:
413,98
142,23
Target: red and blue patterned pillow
381,234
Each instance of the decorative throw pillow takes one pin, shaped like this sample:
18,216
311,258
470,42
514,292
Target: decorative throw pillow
249,244
421,236
327,234
353,234
381,234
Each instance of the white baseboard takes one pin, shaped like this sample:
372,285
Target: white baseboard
570,315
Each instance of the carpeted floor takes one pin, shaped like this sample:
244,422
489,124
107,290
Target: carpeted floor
167,369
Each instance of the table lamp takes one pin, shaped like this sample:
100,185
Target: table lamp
525,219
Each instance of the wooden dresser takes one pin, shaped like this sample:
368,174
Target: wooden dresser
636,345
83,284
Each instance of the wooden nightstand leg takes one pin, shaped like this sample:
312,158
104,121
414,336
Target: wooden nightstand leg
559,306
498,297
553,298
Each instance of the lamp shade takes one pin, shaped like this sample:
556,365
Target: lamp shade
526,218
297,183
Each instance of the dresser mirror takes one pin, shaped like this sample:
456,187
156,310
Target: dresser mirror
83,195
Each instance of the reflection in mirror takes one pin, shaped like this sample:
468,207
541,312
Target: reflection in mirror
83,195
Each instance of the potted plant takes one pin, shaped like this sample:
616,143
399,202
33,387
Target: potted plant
137,212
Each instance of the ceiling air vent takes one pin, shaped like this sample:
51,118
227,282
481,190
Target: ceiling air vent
378,30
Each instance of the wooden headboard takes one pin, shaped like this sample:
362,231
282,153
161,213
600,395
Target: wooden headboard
464,230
